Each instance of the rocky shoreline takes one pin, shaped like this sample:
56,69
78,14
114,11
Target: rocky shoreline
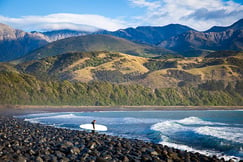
24,141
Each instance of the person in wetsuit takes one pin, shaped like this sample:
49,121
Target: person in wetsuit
93,123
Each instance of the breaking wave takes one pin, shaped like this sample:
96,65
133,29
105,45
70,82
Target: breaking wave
227,133
184,134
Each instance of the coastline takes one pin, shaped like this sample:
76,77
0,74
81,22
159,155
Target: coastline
14,110
88,146
24,141
50,108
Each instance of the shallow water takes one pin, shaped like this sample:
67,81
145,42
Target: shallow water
217,133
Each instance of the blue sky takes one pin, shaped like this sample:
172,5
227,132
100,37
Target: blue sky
43,15
108,8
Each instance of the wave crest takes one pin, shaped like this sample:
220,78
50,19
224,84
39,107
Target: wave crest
227,133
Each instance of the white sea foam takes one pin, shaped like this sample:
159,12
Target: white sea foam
38,119
64,116
204,152
181,125
227,133
197,121
192,120
178,125
131,120
50,115
188,148
195,124
33,121
168,127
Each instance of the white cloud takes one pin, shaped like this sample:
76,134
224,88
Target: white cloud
144,3
63,21
198,14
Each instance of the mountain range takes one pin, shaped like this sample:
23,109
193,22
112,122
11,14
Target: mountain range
173,39
149,34
134,66
215,39
193,43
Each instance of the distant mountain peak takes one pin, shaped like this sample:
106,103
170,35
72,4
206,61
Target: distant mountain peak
15,43
4,26
151,35
7,32
238,25
64,33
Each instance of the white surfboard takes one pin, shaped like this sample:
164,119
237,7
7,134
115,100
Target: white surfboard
98,127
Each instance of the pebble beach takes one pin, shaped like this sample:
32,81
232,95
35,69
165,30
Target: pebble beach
24,141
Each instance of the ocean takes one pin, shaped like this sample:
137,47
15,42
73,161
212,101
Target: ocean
209,132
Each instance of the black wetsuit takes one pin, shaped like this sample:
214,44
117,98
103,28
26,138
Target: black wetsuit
93,123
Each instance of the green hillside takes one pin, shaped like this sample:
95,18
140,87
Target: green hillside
25,89
113,78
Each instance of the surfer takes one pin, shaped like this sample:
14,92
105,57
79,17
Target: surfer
93,123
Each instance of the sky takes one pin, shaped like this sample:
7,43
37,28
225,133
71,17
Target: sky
91,15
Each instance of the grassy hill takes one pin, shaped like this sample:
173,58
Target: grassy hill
114,78
90,43
117,67
17,88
